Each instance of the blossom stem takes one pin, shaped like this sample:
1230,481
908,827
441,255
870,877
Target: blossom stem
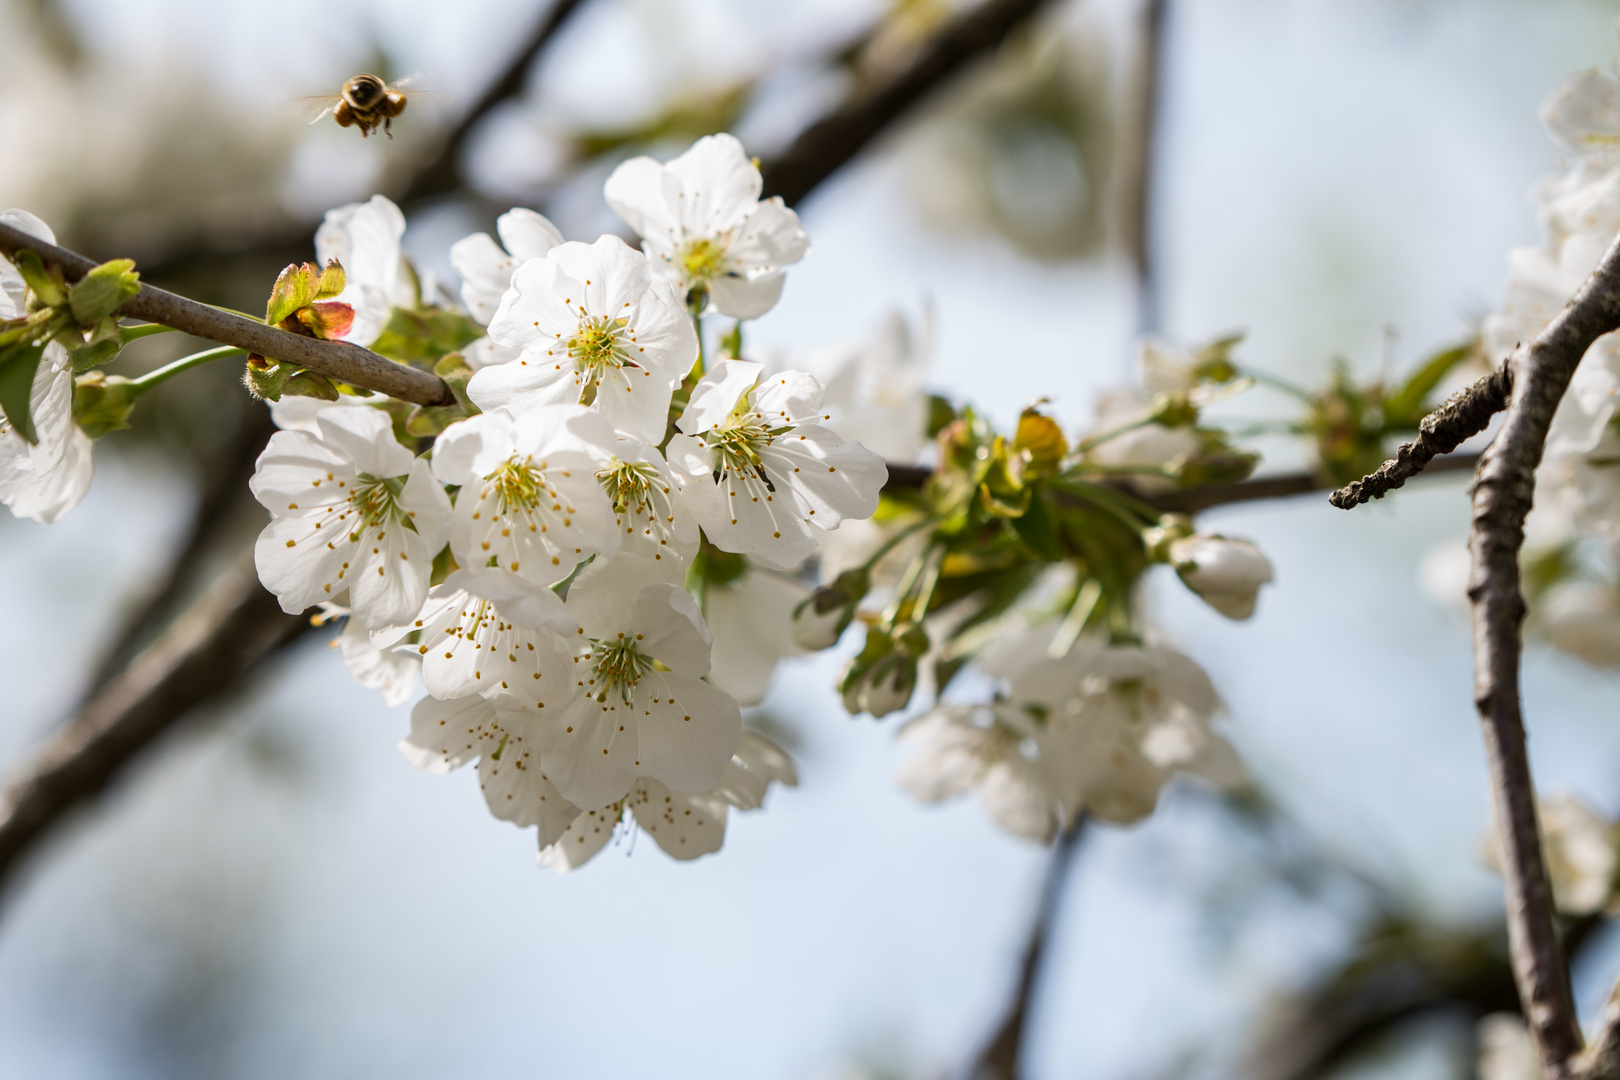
127,334
1094,441
1130,511
185,363
893,541
1276,383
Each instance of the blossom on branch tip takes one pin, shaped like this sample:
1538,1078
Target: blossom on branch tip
529,504
760,467
703,225
639,650
350,509
592,327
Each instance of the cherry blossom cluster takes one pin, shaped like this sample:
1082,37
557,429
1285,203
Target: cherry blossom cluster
1573,533
597,556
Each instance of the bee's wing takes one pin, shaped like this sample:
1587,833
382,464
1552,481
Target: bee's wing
414,79
310,109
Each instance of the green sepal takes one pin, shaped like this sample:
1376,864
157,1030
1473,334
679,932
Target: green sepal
18,365
308,384
44,282
102,403
102,291
86,357
425,335
1037,528
444,564
940,414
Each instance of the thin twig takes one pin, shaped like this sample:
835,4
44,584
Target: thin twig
334,359
443,175
1002,1057
828,144
1464,415
231,630
1503,491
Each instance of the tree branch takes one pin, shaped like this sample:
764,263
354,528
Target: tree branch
1002,1058
334,359
1464,415
225,487
1502,497
827,145
443,175
230,631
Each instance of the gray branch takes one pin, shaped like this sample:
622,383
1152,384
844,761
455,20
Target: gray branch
1464,415
1502,495
334,359
229,632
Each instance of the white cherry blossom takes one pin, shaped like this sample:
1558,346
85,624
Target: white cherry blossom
350,509
760,468
702,223
640,651
365,238
297,413
649,506
1114,722
1506,1051
752,623
486,267
685,826
986,750
594,327
44,479
876,390
394,672
489,634
530,504
446,735
1226,573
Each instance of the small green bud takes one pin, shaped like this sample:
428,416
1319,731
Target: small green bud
102,403
264,378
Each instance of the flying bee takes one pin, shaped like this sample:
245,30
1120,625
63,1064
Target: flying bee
366,102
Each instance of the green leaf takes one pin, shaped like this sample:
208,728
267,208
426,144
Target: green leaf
455,371
18,364
1405,407
263,378
103,290
309,384
1038,529
333,281
296,286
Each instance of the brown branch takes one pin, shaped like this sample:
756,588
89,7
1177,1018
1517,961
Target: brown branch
231,630
1002,1058
1502,497
334,359
1464,415
224,488
831,142
443,176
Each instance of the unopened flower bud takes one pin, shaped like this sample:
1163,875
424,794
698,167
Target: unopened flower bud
821,618
888,686
102,403
1226,573
1158,538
